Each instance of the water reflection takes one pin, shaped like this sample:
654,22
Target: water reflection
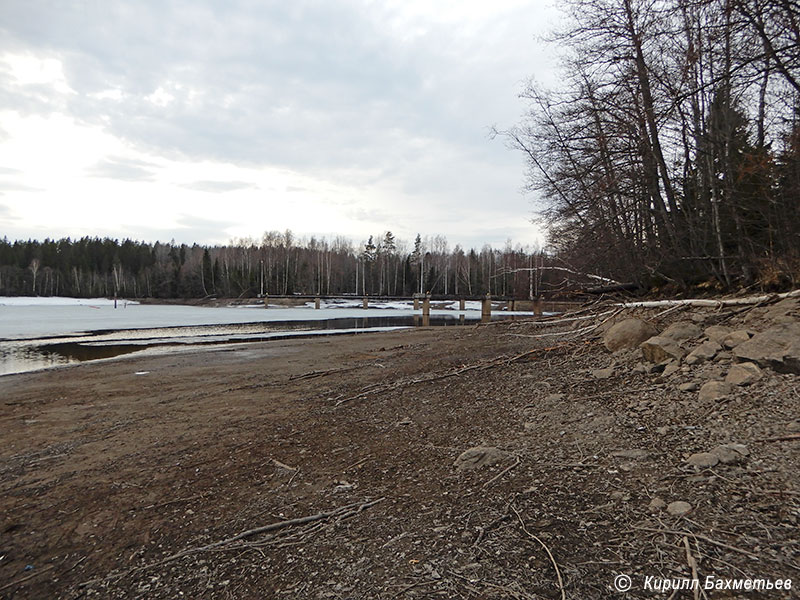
31,355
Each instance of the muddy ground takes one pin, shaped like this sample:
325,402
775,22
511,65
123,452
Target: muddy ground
125,478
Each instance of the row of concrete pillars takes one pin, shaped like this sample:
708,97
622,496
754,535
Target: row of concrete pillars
486,305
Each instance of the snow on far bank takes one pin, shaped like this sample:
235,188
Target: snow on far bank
60,301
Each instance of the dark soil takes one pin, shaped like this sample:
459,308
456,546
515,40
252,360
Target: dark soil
107,469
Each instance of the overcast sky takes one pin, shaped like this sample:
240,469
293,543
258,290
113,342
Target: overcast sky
203,120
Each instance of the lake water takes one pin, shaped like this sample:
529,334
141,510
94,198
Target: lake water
41,334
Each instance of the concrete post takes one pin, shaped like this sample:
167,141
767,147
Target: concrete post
316,303
426,306
512,305
462,304
366,302
537,306
416,303
486,307
266,300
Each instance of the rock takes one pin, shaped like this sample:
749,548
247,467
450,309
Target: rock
603,373
717,333
640,368
679,508
744,374
682,330
705,351
659,349
723,356
662,430
703,460
735,338
554,398
715,390
479,456
529,426
634,453
689,386
793,426
785,311
656,504
671,368
628,334
778,348
731,454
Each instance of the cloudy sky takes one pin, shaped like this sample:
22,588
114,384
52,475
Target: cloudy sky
204,120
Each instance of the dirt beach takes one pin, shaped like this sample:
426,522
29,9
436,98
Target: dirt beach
336,468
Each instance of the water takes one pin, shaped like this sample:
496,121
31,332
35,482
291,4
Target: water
20,354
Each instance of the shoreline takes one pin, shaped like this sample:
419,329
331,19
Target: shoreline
109,469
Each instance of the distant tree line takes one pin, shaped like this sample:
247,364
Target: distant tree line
277,264
671,151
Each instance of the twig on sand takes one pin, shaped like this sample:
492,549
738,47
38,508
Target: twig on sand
503,360
690,560
546,549
344,511
500,474
26,578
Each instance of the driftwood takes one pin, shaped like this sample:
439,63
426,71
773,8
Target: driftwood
711,303
342,512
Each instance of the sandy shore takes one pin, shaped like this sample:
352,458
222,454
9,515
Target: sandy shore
110,470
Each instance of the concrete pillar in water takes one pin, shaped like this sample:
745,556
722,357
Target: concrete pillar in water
266,300
512,304
462,304
416,303
537,306
426,306
486,306
316,303
461,319
366,302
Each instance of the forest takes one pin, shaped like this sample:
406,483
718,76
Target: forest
670,151
668,157
277,264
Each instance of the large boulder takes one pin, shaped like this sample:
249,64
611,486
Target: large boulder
682,330
777,348
717,333
744,374
628,334
705,351
659,349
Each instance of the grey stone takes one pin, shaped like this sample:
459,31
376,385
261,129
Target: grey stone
659,349
689,386
703,460
731,454
744,374
634,453
679,508
656,504
705,351
777,348
682,330
671,368
715,390
603,373
735,338
717,333
628,334
554,398
793,426
479,456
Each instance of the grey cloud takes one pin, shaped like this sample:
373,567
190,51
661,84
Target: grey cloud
124,169
218,187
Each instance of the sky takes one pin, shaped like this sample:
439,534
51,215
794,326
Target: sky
208,120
